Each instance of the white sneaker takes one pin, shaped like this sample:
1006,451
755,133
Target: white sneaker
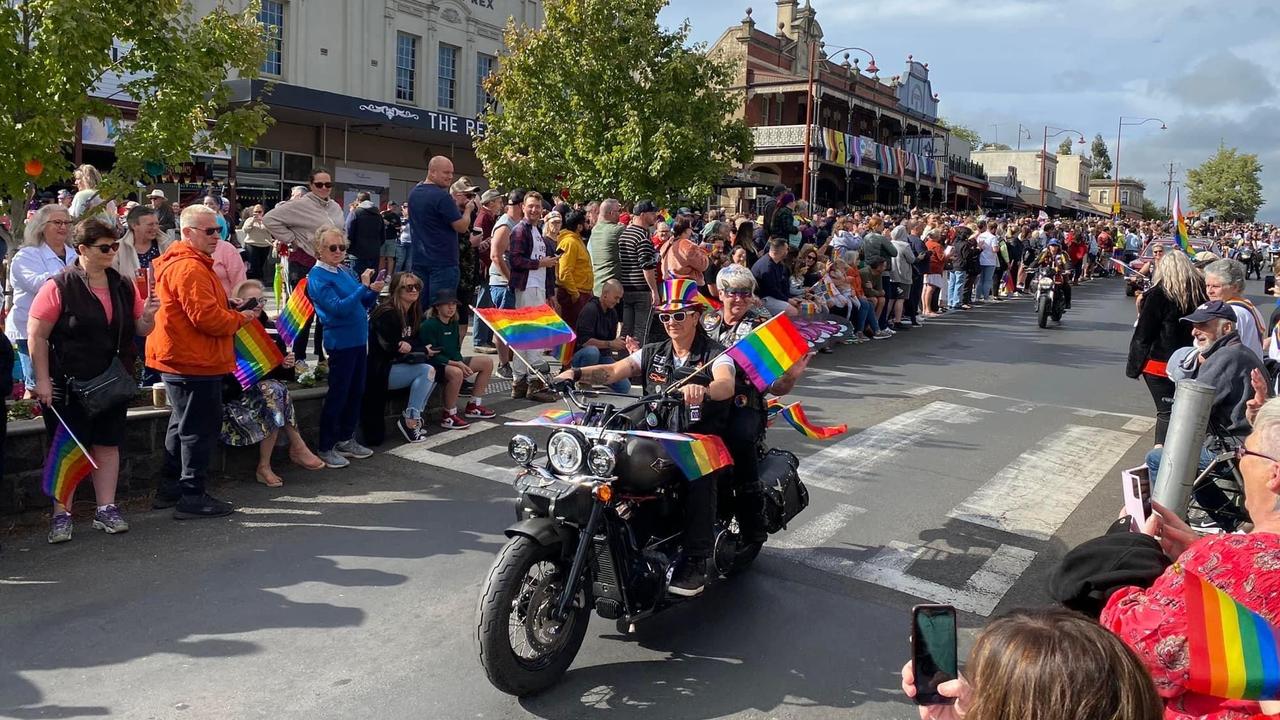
883,335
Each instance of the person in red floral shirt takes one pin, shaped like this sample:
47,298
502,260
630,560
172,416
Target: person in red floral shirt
1154,620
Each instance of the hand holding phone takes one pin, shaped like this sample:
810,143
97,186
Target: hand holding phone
382,275
250,304
933,652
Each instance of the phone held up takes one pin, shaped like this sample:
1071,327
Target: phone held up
933,651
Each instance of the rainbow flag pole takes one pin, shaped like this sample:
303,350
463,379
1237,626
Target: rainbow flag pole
514,353
67,427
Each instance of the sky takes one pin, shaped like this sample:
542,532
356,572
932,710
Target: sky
1210,71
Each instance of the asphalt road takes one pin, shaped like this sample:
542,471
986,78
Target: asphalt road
980,448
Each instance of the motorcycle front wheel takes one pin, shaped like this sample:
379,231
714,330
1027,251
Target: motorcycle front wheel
523,648
1042,311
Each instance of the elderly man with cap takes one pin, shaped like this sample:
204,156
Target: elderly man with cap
1219,359
164,211
439,211
680,359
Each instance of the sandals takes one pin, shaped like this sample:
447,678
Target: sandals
273,481
314,464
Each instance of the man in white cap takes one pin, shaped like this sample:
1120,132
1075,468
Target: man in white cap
164,211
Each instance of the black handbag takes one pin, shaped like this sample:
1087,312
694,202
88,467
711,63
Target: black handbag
785,496
107,389
412,358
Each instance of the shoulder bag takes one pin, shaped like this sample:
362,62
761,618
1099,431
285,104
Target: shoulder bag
112,386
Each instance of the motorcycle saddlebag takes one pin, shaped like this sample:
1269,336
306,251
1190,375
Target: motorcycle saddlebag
784,495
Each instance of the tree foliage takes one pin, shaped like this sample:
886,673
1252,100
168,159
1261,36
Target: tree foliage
604,103
1064,147
1150,211
1227,185
1101,159
56,53
962,133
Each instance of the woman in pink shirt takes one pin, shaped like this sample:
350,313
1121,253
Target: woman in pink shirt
228,265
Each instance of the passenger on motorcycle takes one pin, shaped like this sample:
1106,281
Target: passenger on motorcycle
745,429
1053,257
705,411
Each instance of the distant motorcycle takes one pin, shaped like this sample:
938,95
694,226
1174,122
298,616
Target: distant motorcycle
1252,262
600,527
1051,301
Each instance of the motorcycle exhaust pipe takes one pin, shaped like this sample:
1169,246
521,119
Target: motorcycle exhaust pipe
1180,459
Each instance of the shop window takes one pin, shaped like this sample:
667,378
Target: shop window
297,168
447,77
258,160
485,65
406,68
271,15
1103,196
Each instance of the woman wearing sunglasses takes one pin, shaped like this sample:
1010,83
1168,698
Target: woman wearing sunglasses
45,252
342,303
79,325
397,360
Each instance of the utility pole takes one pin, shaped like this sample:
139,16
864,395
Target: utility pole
1168,197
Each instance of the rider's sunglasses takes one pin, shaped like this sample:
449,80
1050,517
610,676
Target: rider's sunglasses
677,316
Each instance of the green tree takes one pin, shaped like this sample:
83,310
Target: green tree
1227,185
1101,158
55,53
603,102
1152,212
962,133
1064,147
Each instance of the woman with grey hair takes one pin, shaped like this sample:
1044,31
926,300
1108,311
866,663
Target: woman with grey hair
45,252
87,180
1224,280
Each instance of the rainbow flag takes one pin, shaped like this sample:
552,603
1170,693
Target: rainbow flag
1234,652
1180,235
795,416
686,290
256,354
697,455
66,465
530,328
296,313
769,351
565,355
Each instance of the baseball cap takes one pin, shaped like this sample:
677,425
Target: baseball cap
1214,309
64,193
515,197
489,195
157,193
463,185
644,206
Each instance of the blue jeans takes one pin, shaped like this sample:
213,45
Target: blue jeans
341,409
588,356
24,364
984,282
1209,496
866,315
404,258
496,296
955,287
420,378
435,279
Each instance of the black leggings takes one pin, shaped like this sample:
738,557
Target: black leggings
1162,389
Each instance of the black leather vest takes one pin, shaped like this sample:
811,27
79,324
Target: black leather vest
745,394
659,369
82,343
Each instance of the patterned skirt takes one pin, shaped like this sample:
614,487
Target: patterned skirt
260,411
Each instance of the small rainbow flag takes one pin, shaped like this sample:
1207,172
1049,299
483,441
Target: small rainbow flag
565,355
1180,235
1234,652
795,416
296,314
697,455
769,351
530,328
558,417
256,354
66,465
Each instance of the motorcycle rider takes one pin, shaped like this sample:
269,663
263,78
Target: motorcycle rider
1056,260
705,411
745,428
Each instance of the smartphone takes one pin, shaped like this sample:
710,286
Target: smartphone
933,651
382,275
1268,284
1136,486
151,281
250,304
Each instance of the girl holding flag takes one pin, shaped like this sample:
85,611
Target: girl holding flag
81,323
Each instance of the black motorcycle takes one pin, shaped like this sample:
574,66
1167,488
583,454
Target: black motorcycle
1051,300
1252,261
599,527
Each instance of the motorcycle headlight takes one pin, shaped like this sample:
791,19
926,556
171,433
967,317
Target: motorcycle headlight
522,449
601,459
564,450
1046,282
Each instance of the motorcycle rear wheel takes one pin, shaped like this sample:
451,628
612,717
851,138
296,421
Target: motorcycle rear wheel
1042,311
515,608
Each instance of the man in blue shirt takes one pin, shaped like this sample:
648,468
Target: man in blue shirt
436,217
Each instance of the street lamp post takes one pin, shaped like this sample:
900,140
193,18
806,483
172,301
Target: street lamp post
805,185
1044,156
1115,190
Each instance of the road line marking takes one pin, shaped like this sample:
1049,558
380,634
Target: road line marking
469,463
328,526
1022,408
977,395
1034,495
918,391
1085,413
818,531
1140,425
837,467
